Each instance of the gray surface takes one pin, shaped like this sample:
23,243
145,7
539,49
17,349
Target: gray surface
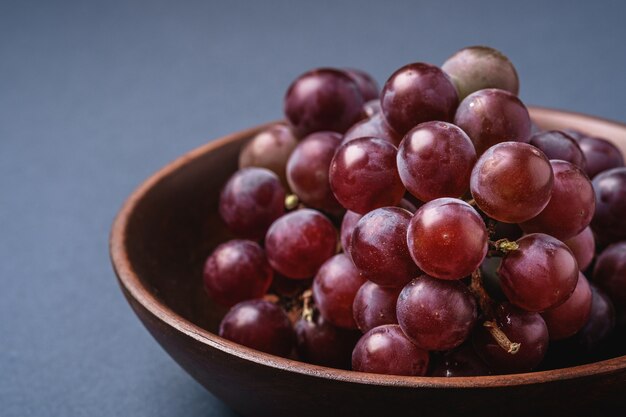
95,96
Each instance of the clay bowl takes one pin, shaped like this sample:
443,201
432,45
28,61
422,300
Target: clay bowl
169,225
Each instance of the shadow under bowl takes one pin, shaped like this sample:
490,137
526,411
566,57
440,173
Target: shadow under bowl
168,227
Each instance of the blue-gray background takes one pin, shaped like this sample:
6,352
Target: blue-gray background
95,96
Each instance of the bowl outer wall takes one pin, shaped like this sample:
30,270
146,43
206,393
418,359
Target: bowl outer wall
258,384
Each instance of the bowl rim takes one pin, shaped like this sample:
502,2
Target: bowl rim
131,284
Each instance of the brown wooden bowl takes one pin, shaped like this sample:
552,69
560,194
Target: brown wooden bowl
169,225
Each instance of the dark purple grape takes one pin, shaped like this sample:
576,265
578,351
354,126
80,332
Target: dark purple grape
577,135
571,206
600,323
568,318
366,83
321,343
379,249
492,116
236,271
609,274
298,243
461,362
478,67
418,93
583,246
436,314
512,182
435,159
386,350
371,108
609,220
307,171
541,274
447,238
250,201
261,325
323,99
374,127
375,306
527,329
270,149
364,176
600,154
334,289
557,144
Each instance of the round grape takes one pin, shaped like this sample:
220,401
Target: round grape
583,246
375,306
366,83
374,127
609,273
462,361
609,220
556,144
600,154
568,318
600,323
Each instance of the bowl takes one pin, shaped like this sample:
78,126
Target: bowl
169,225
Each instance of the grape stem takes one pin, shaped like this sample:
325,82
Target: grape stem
471,202
476,287
505,245
291,202
501,338
307,305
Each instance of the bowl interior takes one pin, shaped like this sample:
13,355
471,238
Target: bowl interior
173,224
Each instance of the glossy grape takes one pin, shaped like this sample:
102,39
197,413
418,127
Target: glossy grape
334,289
609,274
374,127
363,175
435,159
600,323
307,170
372,107
320,343
571,206
366,83
447,238
350,219
386,350
418,93
600,154
270,149
436,314
260,325
250,201
512,182
379,248
375,306
323,99
526,328
298,243
461,362
568,318
541,274
556,144
583,246
609,220
492,116
236,271
478,67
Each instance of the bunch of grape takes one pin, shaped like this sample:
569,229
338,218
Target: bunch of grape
465,231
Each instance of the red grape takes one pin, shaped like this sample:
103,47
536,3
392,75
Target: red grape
436,314
462,361
583,246
435,159
321,343
375,306
447,238
323,99
372,107
386,350
600,154
568,318
379,249
571,206
374,127
512,182
260,325
526,328
541,274
298,243
350,219
492,116
363,175
418,93
236,271
609,220
609,273
366,83
307,170
250,201
334,289
556,144
600,323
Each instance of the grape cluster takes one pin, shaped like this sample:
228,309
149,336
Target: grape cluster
430,229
